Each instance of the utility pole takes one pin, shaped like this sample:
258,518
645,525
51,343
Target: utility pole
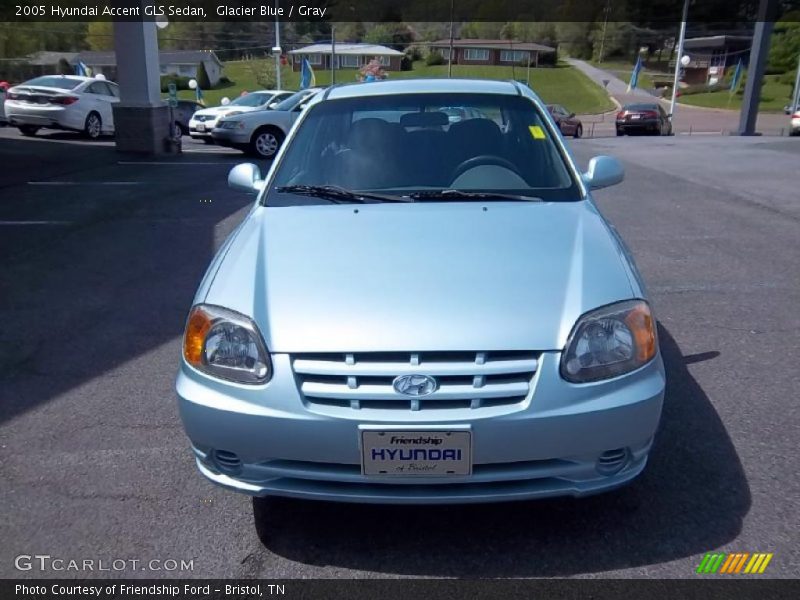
678,57
603,39
796,92
450,53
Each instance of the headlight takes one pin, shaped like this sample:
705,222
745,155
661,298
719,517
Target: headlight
609,341
225,344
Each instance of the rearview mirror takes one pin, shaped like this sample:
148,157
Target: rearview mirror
603,171
246,178
571,115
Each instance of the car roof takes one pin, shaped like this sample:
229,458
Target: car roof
425,86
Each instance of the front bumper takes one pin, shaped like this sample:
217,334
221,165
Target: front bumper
231,138
552,444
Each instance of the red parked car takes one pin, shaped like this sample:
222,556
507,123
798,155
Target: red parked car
567,122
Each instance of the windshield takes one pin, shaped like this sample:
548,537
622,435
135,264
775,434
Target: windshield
252,99
402,144
641,107
65,83
292,100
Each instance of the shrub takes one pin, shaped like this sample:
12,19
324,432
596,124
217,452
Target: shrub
414,53
435,58
406,64
182,83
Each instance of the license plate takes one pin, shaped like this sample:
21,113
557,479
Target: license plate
636,116
416,453
201,127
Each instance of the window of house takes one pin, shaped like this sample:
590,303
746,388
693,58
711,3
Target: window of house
476,54
513,55
314,59
350,60
445,52
187,70
384,60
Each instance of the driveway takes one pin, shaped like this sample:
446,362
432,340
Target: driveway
688,120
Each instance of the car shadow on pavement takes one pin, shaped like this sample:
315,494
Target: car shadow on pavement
691,498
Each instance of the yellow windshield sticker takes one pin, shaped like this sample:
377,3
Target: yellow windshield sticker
537,132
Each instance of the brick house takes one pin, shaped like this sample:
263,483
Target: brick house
348,56
711,56
495,52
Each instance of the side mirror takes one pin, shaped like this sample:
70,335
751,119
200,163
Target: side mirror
571,115
246,178
603,171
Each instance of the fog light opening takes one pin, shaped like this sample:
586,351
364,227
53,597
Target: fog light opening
226,462
612,462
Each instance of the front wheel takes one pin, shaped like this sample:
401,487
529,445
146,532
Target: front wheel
208,140
578,131
28,130
266,142
93,126
620,133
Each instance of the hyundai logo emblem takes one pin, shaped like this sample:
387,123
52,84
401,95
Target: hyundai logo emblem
414,385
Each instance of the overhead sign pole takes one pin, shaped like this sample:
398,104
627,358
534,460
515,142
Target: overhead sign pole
767,10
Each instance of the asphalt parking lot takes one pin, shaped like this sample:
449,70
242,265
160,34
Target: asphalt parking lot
101,258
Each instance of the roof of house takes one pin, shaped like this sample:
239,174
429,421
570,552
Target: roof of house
46,58
168,57
354,49
494,45
718,41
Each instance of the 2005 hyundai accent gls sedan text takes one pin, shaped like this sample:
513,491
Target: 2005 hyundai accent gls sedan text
417,310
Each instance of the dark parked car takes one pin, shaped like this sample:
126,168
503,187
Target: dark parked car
183,112
648,117
567,122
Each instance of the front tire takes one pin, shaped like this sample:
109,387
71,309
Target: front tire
266,143
93,126
578,131
28,130
620,133
208,140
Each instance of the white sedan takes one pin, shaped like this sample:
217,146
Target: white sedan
262,133
62,102
204,120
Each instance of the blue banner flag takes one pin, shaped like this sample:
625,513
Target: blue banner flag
307,78
737,77
635,74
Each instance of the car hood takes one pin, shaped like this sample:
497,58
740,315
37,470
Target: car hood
218,111
420,277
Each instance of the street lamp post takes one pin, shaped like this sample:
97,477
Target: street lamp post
278,46
678,60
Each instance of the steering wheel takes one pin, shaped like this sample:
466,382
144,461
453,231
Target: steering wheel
483,159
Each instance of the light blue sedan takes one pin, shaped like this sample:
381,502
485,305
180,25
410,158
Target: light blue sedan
422,311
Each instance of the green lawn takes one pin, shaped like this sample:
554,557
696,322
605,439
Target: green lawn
562,85
774,96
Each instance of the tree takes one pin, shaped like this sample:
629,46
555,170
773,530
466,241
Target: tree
100,35
64,68
394,35
263,72
202,77
785,48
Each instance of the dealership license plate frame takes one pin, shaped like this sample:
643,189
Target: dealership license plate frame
453,439
201,127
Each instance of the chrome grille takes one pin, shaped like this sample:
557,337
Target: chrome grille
465,379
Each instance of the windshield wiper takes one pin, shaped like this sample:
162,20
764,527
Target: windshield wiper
338,194
462,195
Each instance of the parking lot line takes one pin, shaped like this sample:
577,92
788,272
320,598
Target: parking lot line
85,183
172,164
7,223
